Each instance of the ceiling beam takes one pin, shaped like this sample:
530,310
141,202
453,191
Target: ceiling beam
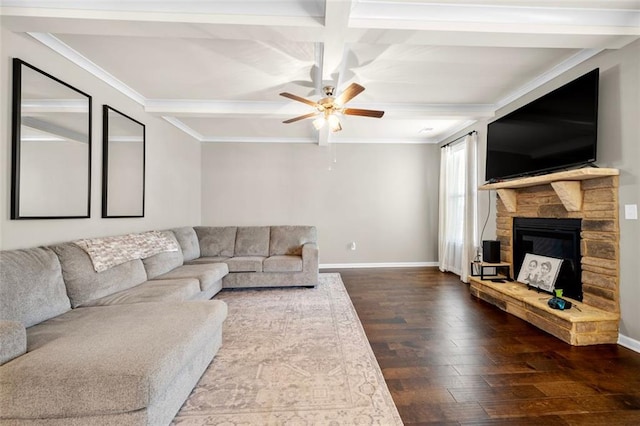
495,18
198,108
336,25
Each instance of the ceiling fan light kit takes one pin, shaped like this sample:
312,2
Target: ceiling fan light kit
329,106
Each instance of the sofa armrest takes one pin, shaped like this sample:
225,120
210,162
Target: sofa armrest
13,340
310,257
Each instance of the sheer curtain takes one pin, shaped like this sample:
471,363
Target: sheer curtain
458,206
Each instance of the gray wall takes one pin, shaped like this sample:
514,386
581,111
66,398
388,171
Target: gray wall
173,158
382,196
618,147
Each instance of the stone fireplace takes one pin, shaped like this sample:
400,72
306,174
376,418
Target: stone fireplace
578,211
599,233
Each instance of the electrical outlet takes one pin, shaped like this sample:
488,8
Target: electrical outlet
631,211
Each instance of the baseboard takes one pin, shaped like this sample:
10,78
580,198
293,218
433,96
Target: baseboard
629,343
377,265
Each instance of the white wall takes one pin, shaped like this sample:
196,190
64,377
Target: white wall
618,147
172,159
382,196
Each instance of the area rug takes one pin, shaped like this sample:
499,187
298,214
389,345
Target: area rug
291,356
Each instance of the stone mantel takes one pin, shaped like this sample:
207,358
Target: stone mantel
590,194
566,184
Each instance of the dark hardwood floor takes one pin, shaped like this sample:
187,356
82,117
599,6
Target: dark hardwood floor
449,358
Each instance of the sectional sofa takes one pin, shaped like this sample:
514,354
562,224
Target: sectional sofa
116,330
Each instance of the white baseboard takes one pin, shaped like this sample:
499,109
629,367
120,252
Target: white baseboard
629,343
377,265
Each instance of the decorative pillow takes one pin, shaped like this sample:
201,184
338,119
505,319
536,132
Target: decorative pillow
252,241
31,286
216,241
288,240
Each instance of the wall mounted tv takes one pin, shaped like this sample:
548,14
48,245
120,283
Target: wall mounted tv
556,131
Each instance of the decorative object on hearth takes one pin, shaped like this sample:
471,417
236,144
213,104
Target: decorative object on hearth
540,272
491,251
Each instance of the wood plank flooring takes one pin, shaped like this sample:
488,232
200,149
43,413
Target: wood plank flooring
449,358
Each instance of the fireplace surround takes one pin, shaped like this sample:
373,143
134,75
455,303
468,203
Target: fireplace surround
590,197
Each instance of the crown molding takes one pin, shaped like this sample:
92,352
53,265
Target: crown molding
180,125
547,76
74,56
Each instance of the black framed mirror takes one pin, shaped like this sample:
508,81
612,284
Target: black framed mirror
123,165
51,147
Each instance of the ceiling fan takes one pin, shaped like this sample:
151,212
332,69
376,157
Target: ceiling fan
329,106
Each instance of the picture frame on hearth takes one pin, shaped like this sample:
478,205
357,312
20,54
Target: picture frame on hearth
539,272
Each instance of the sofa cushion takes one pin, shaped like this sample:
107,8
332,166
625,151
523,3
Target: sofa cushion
207,274
288,240
245,264
13,340
252,241
106,360
85,285
210,259
162,263
216,240
188,240
31,286
178,290
283,263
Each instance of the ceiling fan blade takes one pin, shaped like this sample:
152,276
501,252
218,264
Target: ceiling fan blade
299,99
300,117
363,112
349,93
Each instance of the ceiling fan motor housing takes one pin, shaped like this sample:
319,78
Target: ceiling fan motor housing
328,90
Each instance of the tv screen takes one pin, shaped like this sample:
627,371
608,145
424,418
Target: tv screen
558,130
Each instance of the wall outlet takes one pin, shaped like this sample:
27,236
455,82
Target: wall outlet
631,211
352,245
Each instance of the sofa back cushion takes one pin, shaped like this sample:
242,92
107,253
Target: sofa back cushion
252,241
288,240
188,240
84,284
164,262
32,289
216,241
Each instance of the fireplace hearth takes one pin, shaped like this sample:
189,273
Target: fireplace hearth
559,238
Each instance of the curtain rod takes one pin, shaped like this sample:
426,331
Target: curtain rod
457,139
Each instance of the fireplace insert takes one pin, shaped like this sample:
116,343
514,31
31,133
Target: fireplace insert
558,238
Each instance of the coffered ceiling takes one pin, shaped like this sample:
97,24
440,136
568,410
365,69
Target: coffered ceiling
215,68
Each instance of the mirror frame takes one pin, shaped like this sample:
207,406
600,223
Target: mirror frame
105,162
16,123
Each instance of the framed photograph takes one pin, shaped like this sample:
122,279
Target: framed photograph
539,271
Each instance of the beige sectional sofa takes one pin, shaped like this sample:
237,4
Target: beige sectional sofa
126,345
257,256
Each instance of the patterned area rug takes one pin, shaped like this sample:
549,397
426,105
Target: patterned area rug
293,356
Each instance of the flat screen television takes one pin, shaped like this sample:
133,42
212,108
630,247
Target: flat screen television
558,130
